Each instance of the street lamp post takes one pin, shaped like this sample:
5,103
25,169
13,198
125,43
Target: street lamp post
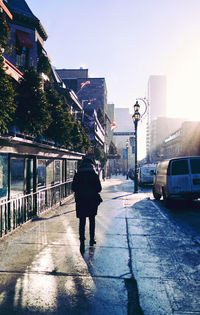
136,118
127,158
146,113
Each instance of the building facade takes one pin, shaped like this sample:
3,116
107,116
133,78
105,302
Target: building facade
111,123
92,95
9,68
160,129
27,36
91,92
157,96
123,139
185,141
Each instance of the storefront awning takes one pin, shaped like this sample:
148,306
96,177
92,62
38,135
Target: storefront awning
24,39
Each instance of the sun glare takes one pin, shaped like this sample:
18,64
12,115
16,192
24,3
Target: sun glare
183,85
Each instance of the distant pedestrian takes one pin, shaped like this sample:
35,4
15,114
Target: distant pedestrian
86,185
103,174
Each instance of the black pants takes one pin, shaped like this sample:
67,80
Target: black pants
82,223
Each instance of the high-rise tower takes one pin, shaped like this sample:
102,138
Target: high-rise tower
157,90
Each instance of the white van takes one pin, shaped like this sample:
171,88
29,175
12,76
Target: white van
177,178
145,174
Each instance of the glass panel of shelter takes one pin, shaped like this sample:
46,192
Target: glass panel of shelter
50,172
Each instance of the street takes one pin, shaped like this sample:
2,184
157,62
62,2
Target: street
146,260
185,214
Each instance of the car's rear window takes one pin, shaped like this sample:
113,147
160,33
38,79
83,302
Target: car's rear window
145,170
195,166
180,167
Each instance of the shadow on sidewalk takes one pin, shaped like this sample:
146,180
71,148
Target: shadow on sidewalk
121,196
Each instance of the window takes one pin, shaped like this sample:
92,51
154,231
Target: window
21,57
3,175
71,168
17,176
180,167
29,175
41,173
23,44
57,172
49,172
195,166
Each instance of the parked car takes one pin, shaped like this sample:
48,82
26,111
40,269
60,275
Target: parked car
177,178
145,174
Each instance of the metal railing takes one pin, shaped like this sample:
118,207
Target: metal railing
15,212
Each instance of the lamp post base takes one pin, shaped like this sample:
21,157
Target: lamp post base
135,185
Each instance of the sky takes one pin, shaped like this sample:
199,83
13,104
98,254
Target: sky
126,41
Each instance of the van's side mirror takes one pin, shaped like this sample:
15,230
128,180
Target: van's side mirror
152,172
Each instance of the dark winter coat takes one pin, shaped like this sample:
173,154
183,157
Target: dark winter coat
86,185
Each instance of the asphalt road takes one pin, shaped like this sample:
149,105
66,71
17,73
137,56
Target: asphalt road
185,214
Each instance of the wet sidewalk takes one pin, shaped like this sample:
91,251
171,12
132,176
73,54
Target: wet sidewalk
141,264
